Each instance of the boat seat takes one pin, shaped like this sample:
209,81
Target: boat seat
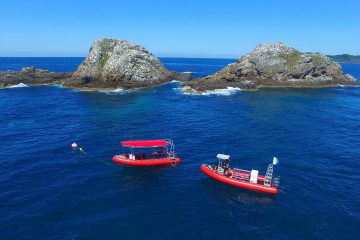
238,175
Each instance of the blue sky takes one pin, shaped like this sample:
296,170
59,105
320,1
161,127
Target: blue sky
196,28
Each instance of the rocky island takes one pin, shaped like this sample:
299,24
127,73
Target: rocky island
274,65
345,58
31,76
113,63
110,64
119,64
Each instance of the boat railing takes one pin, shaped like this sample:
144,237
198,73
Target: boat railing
151,156
211,166
143,156
171,148
241,170
241,177
239,174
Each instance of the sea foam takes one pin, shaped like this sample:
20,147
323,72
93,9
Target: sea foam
222,92
20,85
219,92
117,91
58,85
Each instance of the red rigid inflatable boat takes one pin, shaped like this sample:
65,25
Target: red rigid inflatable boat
242,178
164,156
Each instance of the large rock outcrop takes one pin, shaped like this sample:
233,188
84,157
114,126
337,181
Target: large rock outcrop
115,63
272,65
31,76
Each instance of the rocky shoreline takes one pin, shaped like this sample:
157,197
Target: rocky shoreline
31,76
113,64
275,65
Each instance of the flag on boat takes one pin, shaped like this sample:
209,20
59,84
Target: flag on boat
275,161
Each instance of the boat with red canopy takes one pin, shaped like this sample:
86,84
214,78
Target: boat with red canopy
250,180
164,155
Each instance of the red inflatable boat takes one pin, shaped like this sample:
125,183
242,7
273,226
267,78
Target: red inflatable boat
242,178
164,155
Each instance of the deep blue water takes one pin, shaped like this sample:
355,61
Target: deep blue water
48,191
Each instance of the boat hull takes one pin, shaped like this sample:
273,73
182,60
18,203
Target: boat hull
145,163
237,182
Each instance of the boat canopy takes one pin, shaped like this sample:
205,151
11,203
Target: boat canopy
223,156
145,143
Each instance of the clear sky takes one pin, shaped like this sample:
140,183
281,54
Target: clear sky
187,28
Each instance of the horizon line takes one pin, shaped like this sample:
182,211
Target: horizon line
194,57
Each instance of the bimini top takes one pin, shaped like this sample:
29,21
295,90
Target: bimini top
145,143
223,156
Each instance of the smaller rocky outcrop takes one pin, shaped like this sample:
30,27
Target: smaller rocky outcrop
276,65
113,63
345,58
31,76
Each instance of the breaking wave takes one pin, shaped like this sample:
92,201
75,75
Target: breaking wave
117,91
58,85
20,85
222,92
219,92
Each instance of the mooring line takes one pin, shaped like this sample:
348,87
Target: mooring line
81,150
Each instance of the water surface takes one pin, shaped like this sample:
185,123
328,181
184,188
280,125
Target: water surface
48,191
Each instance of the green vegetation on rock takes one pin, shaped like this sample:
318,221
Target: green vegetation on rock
103,60
293,58
316,59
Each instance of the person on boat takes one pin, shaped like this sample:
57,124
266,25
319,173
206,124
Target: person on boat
230,173
226,166
161,152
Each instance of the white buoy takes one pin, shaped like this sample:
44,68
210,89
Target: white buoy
74,145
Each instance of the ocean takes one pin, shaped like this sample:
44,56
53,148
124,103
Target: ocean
49,191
